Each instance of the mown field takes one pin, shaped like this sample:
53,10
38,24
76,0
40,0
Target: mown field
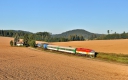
106,46
21,63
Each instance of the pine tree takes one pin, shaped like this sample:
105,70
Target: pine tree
108,31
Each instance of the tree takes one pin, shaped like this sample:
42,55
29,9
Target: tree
124,35
32,43
31,37
16,39
91,37
81,38
44,35
10,34
2,32
11,43
108,31
26,40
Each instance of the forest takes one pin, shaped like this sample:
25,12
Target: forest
40,36
72,35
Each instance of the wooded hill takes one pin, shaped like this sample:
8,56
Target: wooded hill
41,35
78,32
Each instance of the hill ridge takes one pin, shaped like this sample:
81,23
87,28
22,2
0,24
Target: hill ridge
79,32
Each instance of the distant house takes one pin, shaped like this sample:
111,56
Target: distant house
19,43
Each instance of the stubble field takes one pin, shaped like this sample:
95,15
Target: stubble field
107,46
20,63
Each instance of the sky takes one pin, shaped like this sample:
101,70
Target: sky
57,16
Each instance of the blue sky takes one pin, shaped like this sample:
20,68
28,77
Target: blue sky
57,16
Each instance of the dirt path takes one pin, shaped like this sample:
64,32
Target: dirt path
17,63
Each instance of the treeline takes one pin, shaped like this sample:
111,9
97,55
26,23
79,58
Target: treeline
12,33
114,36
41,36
48,37
27,41
64,39
21,34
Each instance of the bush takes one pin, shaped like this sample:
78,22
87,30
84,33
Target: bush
32,43
11,43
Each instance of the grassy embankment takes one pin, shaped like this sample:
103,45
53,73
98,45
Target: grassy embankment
111,57
121,58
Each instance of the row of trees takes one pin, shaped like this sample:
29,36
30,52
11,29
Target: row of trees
75,38
109,36
41,36
27,40
12,33
48,37
64,39
113,36
92,37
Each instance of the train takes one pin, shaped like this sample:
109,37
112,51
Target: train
72,50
